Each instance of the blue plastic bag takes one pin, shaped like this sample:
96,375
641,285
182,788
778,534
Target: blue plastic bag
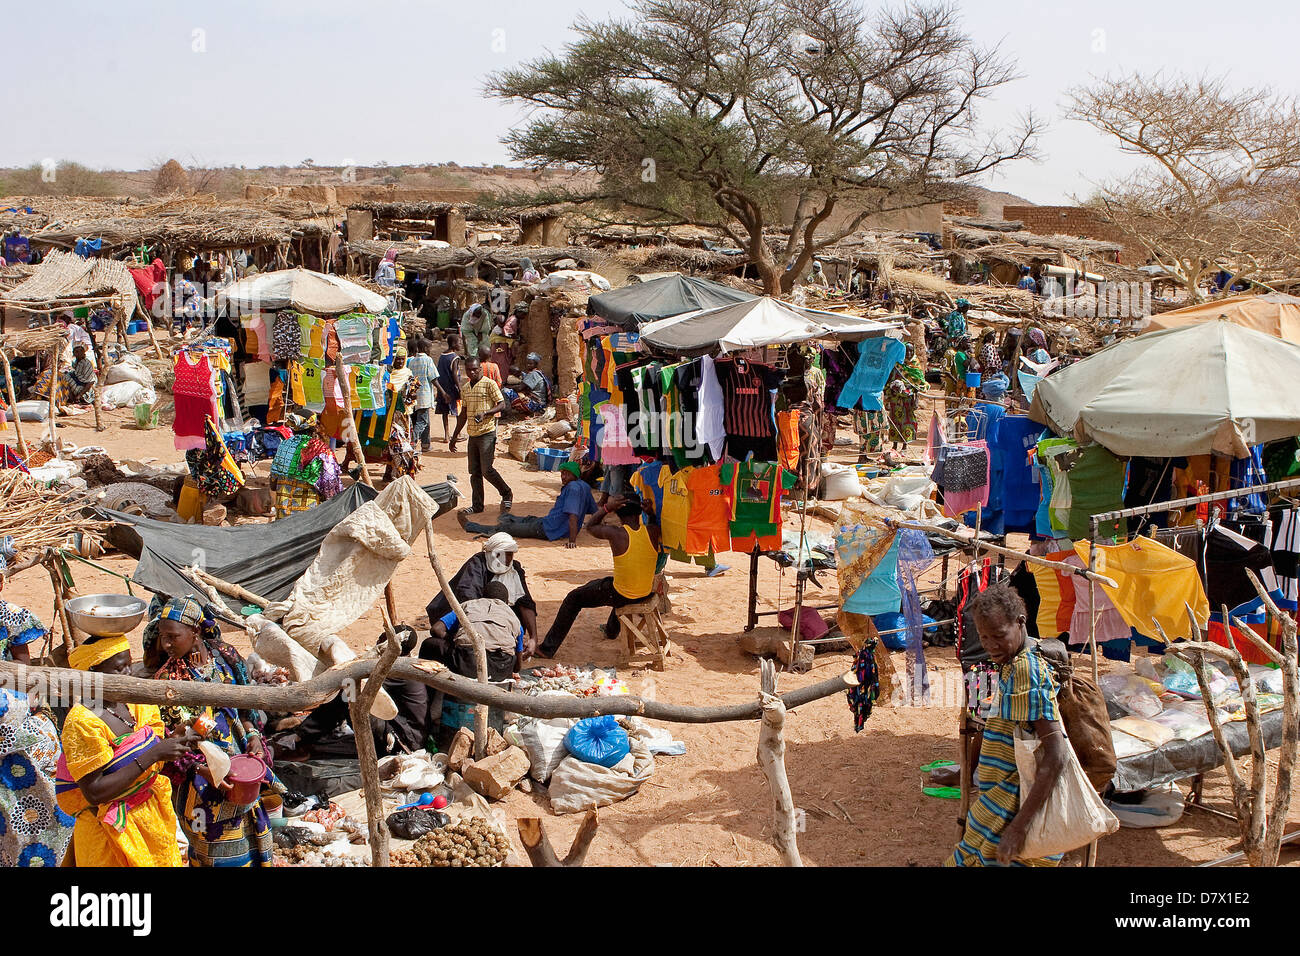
598,740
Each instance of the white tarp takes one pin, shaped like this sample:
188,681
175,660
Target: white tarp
300,289
1211,387
756,323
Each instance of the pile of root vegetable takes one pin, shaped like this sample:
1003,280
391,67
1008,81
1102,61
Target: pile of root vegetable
473,842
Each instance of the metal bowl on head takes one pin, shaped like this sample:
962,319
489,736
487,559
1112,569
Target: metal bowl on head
106,615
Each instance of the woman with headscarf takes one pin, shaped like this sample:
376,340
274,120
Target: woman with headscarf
902,393
953,368
528,275
386,274
107,777
475,328
496,562
221,833
400,457
1037,353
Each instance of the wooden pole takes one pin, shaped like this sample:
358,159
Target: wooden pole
359,713
13,405
1011,553
54,391
230,590
289,698
480,649
771,758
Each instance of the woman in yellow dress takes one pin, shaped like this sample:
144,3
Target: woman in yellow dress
108,778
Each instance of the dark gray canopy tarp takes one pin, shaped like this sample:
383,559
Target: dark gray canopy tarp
266,559
641,302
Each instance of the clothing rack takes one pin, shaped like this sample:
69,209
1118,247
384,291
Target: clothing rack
1141,510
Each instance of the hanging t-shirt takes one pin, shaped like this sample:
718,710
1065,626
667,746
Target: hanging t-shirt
615,447
747,398
194,391
1016,436
296,393
876,360
709,526
646,482
687,448
313,385
257,341
676,509
710,428
1154,583
754,490
257,384
286,337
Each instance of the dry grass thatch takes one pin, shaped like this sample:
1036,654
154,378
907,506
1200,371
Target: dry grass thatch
386,209
193,224
65,275
430,259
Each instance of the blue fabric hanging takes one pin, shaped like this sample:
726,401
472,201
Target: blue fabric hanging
914,556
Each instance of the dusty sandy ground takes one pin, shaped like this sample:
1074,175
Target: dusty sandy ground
861,792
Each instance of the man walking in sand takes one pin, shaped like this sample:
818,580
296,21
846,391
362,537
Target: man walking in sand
483,403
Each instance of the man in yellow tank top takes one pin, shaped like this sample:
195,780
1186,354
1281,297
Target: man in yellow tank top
635,546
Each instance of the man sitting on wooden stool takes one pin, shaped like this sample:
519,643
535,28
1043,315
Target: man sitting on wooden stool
635,546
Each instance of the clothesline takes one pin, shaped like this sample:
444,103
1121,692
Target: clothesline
1009,552
1179,503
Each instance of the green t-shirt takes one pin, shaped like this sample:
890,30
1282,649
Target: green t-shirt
756,489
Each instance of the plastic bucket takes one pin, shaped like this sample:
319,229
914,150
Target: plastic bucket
549,459
972,379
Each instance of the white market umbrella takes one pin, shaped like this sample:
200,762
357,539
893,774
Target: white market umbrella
302,290
755,323
1194,390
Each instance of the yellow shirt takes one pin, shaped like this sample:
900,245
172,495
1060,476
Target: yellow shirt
677,508
1155,582
149,838
478,399
634,569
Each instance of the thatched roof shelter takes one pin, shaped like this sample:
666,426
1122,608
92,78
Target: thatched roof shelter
65,280
194,224
387,209
431,259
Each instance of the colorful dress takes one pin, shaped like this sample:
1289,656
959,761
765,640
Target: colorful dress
1026,693
18,626
33,830
220,833
138,828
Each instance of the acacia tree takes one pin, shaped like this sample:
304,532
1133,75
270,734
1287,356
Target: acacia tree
762,118
1219,186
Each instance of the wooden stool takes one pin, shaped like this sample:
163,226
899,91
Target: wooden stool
640,622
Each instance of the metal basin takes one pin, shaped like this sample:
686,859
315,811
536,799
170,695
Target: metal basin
106,615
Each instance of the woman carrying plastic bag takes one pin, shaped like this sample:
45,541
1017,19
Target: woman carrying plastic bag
1007,823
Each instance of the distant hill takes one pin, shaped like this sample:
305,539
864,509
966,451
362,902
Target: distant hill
460,182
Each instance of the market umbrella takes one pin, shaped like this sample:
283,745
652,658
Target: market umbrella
1274,313
1210,387
302,290
756,323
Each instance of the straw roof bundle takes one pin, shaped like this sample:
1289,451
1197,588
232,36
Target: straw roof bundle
38,341
428,210
195,223
39,518
430,259
65,275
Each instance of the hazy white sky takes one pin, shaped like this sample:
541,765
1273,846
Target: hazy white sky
268,82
